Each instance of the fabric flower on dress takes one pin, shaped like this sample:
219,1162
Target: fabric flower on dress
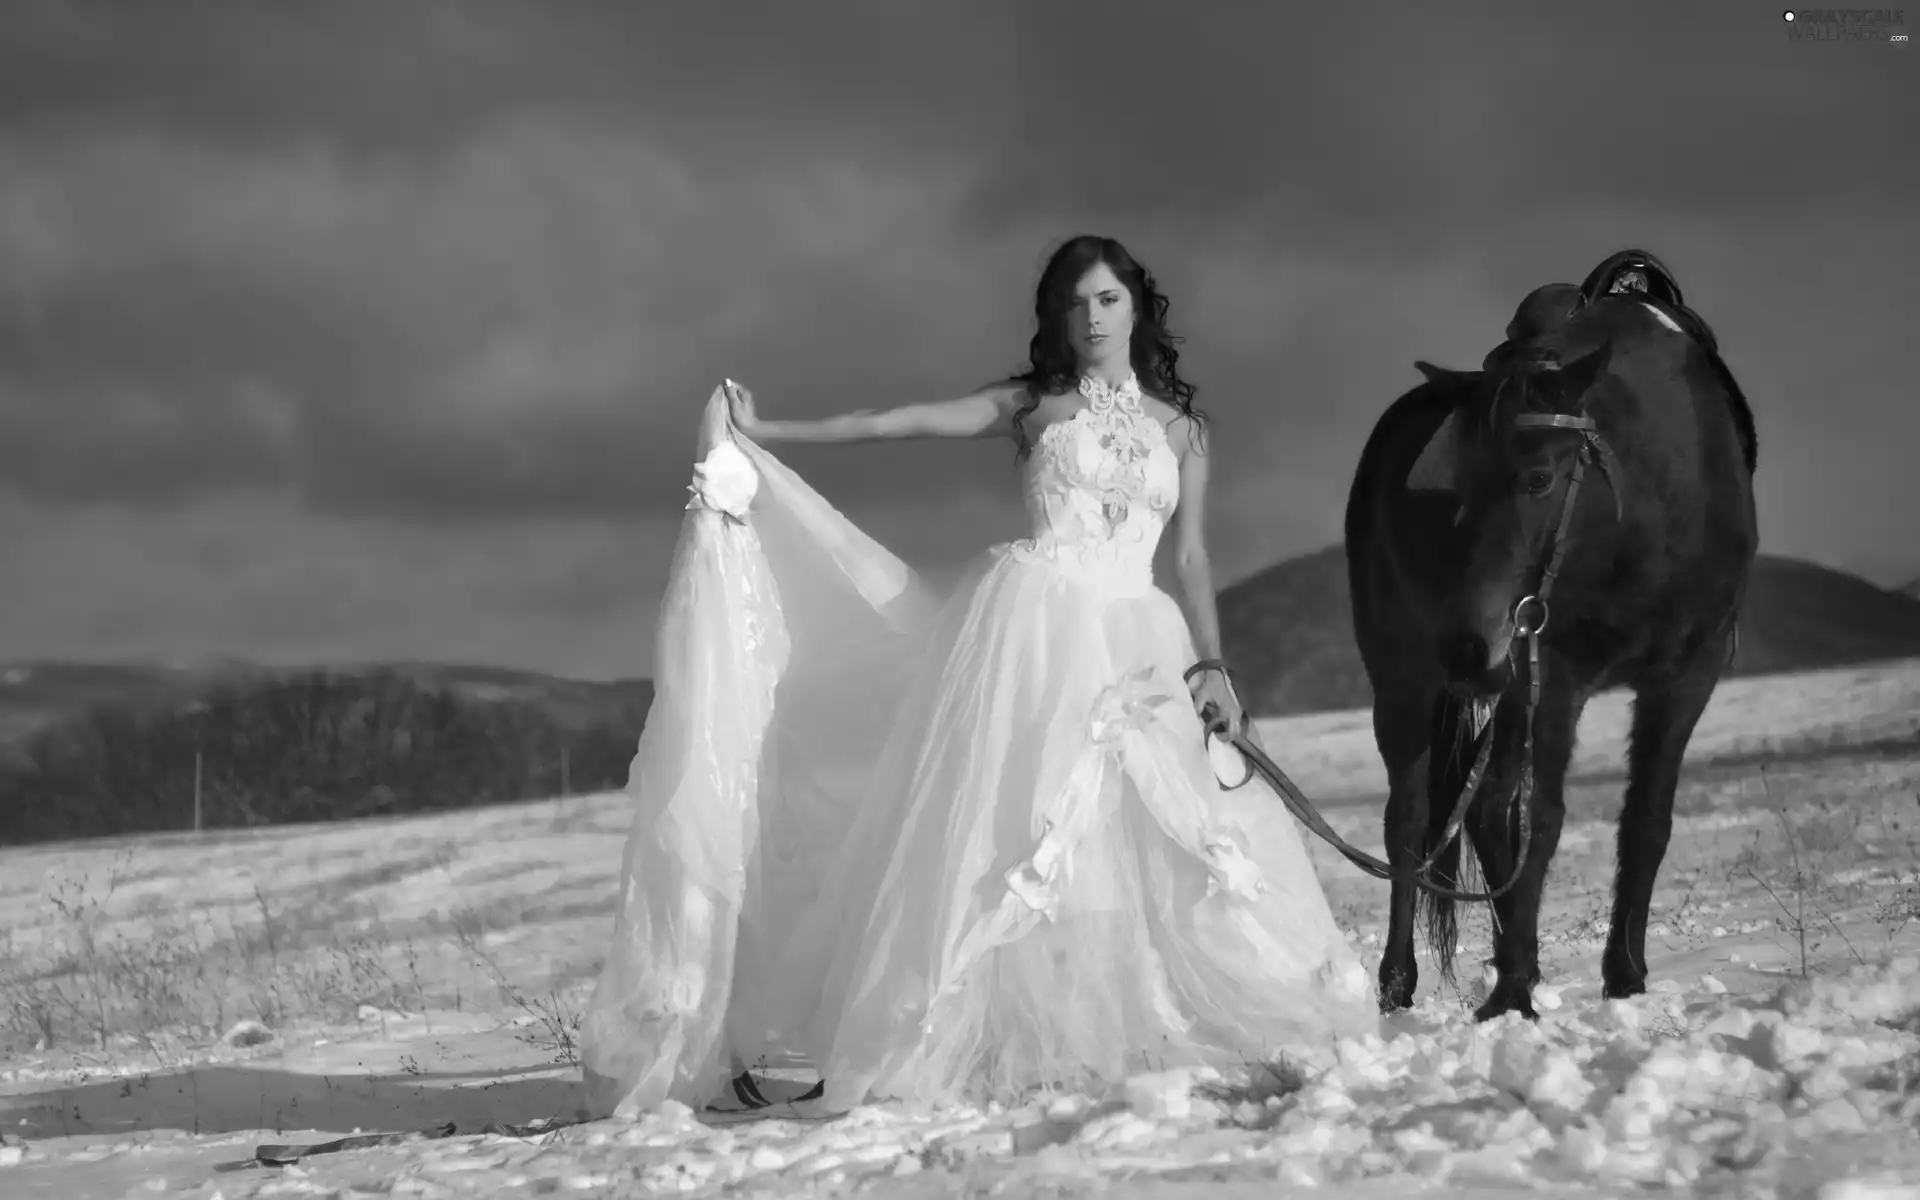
724,482
1126,705
1232,870
1036,881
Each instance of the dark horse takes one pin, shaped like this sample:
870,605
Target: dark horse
1466,512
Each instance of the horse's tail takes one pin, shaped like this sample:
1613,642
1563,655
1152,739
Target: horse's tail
1443,918
1454,748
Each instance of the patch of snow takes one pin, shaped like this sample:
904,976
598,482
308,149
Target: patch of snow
1764,1059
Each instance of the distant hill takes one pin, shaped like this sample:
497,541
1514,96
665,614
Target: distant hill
1289,632
33,694
100,750
1910,588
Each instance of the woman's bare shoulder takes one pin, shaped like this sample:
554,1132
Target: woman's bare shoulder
1181,427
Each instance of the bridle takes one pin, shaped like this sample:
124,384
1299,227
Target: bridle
1530,616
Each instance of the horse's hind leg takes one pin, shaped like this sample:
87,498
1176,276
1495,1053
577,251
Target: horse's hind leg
1663,720
1400,729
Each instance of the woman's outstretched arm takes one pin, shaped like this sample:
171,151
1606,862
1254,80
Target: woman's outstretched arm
983,414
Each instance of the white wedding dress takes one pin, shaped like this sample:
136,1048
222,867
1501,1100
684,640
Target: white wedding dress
950,851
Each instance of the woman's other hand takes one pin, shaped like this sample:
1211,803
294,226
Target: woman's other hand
1214,700
740,409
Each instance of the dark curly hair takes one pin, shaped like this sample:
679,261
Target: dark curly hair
1052,365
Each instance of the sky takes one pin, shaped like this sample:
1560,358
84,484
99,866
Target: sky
360,330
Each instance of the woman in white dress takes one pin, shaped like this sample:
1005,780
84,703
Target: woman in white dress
956,848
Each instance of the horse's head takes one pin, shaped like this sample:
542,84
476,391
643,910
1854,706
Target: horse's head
1510,455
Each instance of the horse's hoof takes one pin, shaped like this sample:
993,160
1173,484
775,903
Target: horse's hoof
1619,980
1621,989
1396,993
1506,998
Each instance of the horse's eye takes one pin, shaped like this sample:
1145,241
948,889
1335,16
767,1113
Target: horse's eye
1539,483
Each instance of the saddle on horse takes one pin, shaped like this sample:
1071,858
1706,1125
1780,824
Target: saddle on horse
1543,317
1628,271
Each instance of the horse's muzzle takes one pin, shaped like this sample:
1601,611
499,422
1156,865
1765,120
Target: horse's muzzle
1472,669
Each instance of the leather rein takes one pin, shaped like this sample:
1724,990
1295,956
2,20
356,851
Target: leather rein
1530,617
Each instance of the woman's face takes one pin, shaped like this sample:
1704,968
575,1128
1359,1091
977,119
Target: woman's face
1100,318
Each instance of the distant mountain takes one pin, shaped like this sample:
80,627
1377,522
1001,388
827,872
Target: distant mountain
1289,632
1910,588
34,693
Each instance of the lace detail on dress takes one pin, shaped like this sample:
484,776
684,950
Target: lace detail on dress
1100,489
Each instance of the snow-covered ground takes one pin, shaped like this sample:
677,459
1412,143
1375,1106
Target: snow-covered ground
407,974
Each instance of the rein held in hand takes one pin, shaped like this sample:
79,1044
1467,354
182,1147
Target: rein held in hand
1530,620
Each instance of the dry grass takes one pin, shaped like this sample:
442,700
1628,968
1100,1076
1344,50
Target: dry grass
1811,851
1752,720
1807,860
500,910
161,943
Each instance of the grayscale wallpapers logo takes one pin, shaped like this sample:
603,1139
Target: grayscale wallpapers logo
1847,25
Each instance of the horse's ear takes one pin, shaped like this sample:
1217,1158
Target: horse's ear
1441,376
1437,468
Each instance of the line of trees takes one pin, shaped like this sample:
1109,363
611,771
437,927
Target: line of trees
317,746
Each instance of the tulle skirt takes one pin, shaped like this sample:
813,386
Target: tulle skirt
942,851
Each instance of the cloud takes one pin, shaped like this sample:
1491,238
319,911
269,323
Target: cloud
262,579
507,329
419,280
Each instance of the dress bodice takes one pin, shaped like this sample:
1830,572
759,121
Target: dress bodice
1100,487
